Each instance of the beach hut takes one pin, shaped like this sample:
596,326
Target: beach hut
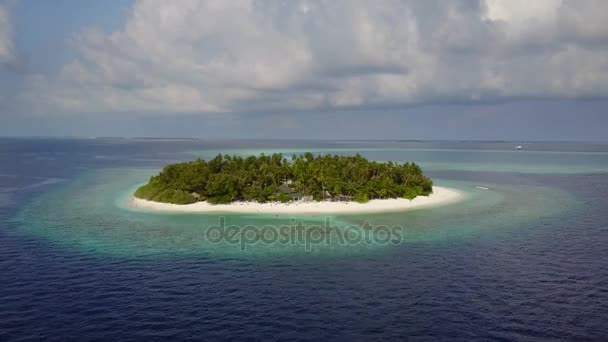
286,189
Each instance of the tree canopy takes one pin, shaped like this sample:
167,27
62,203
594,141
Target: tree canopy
264,178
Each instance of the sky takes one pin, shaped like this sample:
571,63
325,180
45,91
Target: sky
298,69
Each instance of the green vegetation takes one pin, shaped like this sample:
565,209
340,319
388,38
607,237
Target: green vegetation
225,179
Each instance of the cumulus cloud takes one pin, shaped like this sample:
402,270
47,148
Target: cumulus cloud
253,55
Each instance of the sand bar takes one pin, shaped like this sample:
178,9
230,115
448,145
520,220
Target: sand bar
440,196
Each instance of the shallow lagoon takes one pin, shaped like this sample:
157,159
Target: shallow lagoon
92,214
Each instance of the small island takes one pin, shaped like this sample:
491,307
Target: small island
273,178
304,183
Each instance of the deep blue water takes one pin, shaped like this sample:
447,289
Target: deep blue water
525,260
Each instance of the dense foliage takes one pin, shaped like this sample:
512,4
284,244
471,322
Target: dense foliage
265,178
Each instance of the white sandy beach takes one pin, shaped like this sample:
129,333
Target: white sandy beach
440,196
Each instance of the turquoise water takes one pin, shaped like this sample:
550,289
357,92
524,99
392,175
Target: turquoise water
92,214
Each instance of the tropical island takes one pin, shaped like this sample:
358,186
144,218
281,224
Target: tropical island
301,184
274,178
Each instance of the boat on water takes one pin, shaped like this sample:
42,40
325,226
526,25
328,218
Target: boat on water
482,188
519,147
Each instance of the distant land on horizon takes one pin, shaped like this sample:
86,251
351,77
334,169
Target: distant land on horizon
528,141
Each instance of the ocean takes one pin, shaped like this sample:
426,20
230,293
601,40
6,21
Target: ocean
523,257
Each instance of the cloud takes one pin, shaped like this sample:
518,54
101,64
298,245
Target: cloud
251,56
8,54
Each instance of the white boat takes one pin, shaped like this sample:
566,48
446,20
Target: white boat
482,188
519,147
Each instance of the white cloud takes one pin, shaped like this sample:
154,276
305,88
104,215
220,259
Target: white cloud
239,56
520,11
7,46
